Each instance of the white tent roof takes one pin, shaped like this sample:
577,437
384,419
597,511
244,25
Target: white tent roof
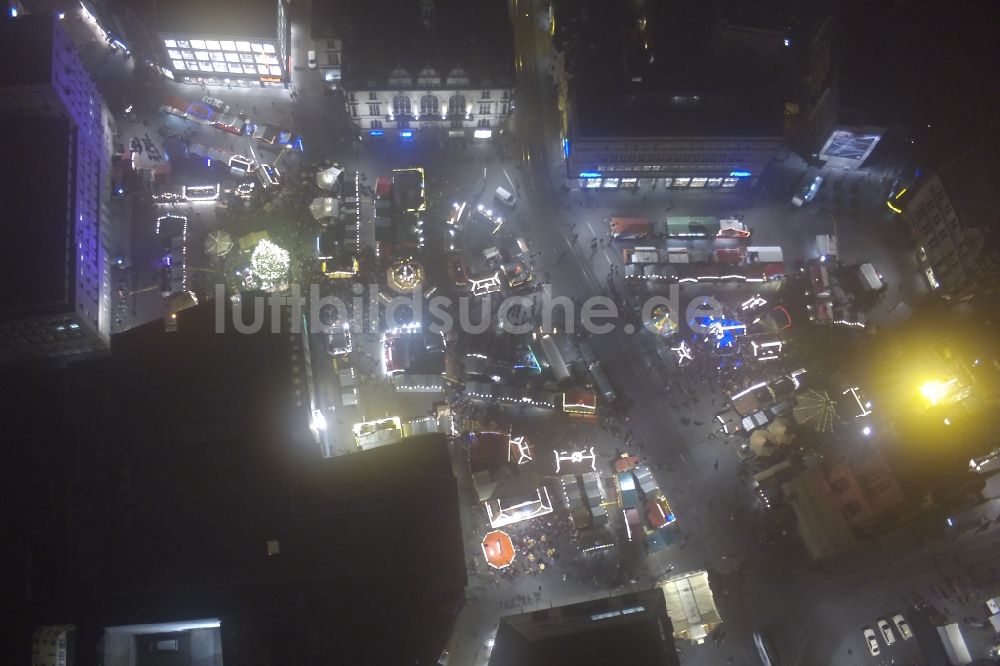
323,207
690,605
327,177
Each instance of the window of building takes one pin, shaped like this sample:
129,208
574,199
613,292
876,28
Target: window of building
456,123
429,105
456,105
372,96
486,94
484,122
401,105
333,58
354,110
376,124
375,109
403,124
504,108
506,94
484,109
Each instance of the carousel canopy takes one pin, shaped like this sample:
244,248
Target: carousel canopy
218,244
781,431
762,444
327,178
324,207
498,549
816,409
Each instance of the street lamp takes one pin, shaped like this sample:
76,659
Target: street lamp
935,391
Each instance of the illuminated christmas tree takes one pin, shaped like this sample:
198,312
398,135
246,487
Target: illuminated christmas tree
270,263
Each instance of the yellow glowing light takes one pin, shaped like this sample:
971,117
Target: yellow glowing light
935,391
893,208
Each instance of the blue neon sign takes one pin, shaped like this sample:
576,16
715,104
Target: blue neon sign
589,174
376,133
566,148
739,174
406,134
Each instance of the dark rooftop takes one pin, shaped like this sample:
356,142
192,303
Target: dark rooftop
658,76
798,19
475,37
36,256
217,18
188,457
590,634
970,181
26,41
327,19
601,111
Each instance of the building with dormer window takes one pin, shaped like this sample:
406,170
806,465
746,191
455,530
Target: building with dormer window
443,66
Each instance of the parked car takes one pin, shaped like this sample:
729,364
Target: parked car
870,640
902,627
887,634
808,193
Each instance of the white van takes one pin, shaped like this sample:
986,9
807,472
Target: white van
808,193
871,280
826,245
505,196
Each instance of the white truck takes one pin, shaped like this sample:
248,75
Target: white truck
954,644
641,255
826,246
765,254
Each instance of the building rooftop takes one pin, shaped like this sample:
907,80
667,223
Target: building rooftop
36,257
969,179
218,18
27,41
602,111
432,39
628,629
641,74
196,462
327,19
797,19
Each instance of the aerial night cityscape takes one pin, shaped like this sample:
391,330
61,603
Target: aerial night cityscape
500,332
